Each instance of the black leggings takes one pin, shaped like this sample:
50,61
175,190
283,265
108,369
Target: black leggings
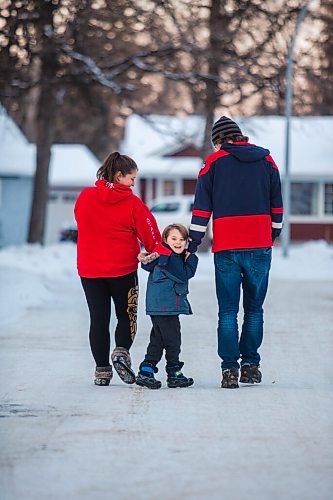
123,290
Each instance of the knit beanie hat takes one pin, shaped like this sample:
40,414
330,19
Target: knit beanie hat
223,128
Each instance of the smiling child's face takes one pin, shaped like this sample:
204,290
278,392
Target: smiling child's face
176,241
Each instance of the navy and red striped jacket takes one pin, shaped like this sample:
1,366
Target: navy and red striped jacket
240,186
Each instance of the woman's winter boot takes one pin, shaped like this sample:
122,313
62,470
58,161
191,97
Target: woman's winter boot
103,375
121,361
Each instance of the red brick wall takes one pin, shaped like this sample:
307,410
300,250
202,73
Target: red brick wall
302,232
189,186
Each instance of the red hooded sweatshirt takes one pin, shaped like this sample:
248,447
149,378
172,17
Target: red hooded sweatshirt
110,221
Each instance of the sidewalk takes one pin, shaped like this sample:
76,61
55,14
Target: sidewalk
62,437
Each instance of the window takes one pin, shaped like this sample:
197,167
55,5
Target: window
69,197
304,198
189,186
53,196
328,199
169,187
166,207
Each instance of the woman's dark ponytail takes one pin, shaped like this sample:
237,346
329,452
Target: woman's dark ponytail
114,163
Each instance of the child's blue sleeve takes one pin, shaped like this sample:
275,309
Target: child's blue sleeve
178,270
150,267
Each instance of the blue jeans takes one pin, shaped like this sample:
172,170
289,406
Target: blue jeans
234,269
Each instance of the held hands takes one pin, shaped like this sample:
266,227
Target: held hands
146,257
187,255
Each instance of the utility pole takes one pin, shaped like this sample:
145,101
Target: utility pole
288,114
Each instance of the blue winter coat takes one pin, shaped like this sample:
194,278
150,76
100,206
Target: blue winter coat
167,286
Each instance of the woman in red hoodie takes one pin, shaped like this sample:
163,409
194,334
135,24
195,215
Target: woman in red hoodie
111,220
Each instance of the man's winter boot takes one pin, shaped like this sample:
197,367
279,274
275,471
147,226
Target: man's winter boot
121,361
103,375
176,377
230,378
250,374
146,377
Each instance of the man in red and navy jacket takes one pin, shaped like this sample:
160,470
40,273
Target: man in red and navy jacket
239,186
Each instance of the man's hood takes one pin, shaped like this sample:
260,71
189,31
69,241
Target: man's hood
112,193
244,151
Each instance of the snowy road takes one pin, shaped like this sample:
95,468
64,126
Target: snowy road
62,437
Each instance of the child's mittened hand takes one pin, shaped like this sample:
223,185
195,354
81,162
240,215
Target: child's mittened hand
146,258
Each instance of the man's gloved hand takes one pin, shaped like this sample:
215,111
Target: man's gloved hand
275,233
146,257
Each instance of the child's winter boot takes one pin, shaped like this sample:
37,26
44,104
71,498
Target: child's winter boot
176,377
230,378
250,374
146,377
103,375
121,361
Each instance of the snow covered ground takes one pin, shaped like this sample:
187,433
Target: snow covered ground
62,437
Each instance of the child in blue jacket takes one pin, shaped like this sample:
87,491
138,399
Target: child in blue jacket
166,298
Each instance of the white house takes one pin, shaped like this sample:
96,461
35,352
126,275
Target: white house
72,168
167,152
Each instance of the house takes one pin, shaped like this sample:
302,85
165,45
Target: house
17,159
166,150
72,168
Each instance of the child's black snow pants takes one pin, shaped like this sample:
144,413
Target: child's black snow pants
165,334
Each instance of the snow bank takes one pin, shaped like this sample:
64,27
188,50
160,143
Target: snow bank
52,262
27,272
19,291
312,260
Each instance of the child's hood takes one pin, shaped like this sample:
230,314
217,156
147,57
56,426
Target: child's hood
112,193
165,255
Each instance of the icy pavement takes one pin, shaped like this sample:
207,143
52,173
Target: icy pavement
62,437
